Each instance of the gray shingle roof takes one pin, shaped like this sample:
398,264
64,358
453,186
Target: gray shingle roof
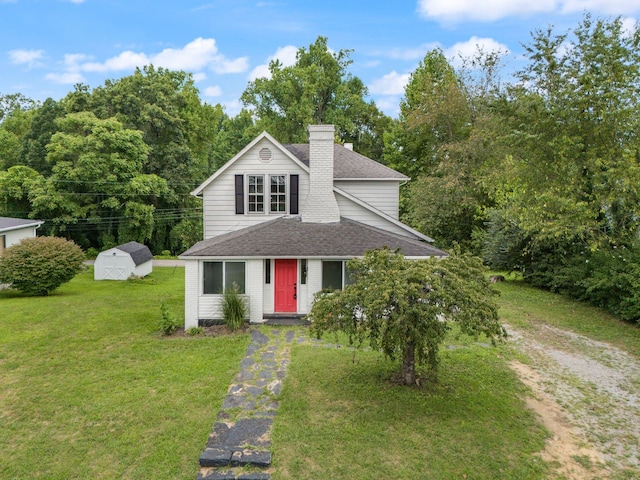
290,237
9,223
139,253
348,164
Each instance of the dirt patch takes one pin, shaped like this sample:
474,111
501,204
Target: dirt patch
212,331
564,447
587,394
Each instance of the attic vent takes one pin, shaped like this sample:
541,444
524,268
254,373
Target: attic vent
265,155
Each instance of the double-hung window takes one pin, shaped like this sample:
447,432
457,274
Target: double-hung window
221,276
256,193
278,203
260,194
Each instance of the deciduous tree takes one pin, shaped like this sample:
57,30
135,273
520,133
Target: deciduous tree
404,307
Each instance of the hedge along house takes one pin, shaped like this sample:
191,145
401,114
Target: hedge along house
123,261
280,221
12,230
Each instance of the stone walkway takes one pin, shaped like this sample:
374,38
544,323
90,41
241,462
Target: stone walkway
239,446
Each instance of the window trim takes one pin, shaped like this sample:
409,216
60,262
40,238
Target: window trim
257,195
244,193
224,276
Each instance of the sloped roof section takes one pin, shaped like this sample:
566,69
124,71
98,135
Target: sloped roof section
290,237
9,223
348,164
139,253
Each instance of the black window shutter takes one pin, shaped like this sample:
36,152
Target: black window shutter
293,194
239,194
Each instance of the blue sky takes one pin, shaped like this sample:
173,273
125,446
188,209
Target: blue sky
47,46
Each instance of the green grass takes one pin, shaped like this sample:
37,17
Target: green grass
524,306
89,389
344,419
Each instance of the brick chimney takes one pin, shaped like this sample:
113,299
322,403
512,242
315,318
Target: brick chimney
321,205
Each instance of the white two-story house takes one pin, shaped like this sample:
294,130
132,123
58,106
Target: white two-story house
280,221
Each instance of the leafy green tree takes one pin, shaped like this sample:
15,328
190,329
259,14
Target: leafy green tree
434,112
15,126
15,101
235,133
16,185
33,146
97,180
404,308
317,89
443,141
39,265
574,129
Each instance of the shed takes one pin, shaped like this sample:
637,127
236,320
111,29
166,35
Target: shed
119,263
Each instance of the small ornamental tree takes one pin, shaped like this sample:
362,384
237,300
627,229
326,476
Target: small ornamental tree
404,308
39,265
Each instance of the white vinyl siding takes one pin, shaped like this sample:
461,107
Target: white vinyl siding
219,197
380,194
353,211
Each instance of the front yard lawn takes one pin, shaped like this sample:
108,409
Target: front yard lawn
341,417
89,389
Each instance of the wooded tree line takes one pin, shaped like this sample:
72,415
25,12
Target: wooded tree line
537,172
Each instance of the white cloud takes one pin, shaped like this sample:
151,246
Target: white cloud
199,77
490,10
416,53
608,7
629,25
214,91
286,56
390,84
26,57
232,108
469,48
389,105
67,78
125,61
239,65
195,56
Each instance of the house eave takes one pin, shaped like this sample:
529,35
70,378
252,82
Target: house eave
20,227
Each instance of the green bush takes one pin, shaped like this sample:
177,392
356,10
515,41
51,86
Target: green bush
234,308
168,321
39,265
193,331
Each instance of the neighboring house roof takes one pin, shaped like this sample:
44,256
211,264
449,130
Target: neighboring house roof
9,223
349,165
290,237
139,253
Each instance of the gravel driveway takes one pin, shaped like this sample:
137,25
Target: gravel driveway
587,394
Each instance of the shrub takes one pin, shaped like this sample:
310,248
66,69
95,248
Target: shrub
168,321
193,331
39,265
234,308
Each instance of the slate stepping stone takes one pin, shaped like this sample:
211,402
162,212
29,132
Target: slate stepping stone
248,431
215,457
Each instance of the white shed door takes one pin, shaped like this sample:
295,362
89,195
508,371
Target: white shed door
115,268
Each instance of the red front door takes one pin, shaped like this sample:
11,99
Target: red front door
286,285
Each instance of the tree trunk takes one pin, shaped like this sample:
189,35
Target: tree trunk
409,364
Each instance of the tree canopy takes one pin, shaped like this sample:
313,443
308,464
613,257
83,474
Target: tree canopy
404,308
317,89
